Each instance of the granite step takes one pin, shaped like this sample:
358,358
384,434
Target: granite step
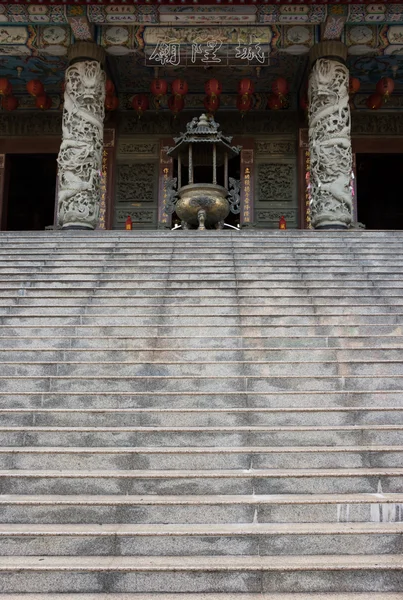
219,596
376,507
252,539
232,481
202,417
326,573
204,458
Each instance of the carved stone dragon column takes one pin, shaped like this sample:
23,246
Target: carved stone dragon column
329,137
80,155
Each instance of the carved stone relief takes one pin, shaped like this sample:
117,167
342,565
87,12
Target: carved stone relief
30,124
138,216
136,182
80,155
330,144
136,148
275,182
273,216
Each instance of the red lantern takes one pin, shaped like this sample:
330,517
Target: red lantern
274,102
9,102
129,223
211,104
109,88
374,101
35,88
385,86
279,87
176,104
159,88
140,103
179,87
213,88
282,224
5,87
43,102
353,85
246,87
111,102
243,104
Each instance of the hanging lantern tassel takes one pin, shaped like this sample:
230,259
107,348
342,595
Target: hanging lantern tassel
111,102
244,104
43,102
385,87
213,88
280,88
158,88
246,88
140,104
176,104
375,101
274,102
211,104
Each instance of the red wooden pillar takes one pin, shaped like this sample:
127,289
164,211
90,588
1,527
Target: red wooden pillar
165,172
247,215
2,190
107,181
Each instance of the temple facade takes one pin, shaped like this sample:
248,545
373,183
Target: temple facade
94,96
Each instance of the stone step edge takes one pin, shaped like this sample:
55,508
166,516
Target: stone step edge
197,410
203,474
197,529
318,563
217,596
54,362
192,377
200,500
209,394
194,449
197,429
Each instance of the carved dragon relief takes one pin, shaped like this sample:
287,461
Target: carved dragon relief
330,144
80,155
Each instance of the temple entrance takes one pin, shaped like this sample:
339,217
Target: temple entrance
379,190
30,191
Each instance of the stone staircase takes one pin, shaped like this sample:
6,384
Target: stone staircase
201,416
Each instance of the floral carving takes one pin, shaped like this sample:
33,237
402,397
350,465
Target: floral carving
80,156
330,144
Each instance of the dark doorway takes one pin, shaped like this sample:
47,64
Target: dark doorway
379,190
30,191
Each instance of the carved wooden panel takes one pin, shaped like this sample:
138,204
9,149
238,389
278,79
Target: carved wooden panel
136,194
136,182
276,182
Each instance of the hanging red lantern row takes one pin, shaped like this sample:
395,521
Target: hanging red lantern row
109,88
385,87
213,88
43,102
111,102
35,88
211,104
140,104
274,102
246,88
179,87
5,87
176,104
375,101
9,103
280,88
